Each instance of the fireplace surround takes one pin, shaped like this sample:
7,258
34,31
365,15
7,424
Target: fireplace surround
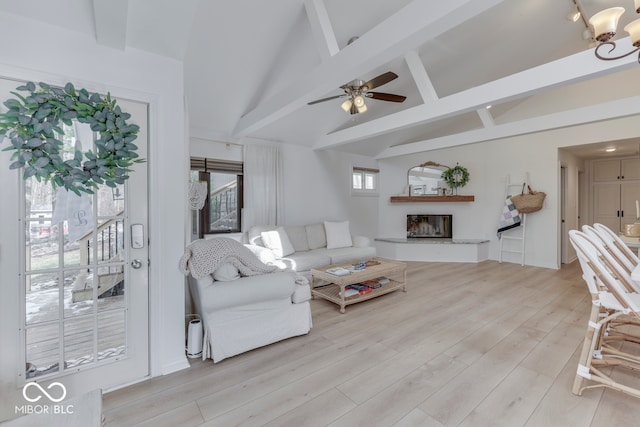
429,226
429,238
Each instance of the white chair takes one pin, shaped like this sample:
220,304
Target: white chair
613,305
244,304
617,247
605,242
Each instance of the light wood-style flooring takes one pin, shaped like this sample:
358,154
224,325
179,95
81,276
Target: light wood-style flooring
468,345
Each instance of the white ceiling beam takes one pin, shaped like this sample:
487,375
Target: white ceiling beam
619,108
420,76
485,117
110,18
568,70
323,34
405,30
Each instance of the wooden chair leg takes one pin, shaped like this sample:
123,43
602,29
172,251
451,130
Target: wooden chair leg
591,338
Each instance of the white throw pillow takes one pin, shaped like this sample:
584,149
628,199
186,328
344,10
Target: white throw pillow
226,272
278,241
316,236
298,238
338,234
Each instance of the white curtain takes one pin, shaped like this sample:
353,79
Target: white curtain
262,186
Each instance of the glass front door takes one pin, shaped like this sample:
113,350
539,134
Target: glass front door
75,286
83,281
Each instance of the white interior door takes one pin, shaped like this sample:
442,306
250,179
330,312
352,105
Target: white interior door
606,204
83,282
563,215
629,193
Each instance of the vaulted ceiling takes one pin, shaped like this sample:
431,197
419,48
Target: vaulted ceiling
251,67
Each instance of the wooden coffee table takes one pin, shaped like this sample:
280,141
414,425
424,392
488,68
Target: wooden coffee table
395,271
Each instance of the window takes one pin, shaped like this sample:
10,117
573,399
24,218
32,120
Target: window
364,181
222,208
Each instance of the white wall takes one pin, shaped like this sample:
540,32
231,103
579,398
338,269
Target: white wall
40,52
316,184
489,164
317,188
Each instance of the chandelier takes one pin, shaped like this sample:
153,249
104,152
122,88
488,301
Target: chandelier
605,24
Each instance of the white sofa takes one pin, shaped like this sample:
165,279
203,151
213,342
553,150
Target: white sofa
250,312
301,248
243,303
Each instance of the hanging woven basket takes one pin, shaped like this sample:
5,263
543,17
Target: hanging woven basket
528,202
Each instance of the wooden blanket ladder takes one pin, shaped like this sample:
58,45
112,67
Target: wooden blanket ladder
518,234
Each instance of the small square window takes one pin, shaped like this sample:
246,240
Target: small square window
364,181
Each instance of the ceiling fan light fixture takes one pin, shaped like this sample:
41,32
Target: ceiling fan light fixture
357,90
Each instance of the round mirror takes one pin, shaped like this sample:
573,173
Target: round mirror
426,179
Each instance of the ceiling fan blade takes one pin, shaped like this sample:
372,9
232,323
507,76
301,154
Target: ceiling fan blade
380,80
325,99
386,96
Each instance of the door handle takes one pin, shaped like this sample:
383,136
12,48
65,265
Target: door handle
136,263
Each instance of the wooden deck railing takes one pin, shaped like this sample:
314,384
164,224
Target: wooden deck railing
109,247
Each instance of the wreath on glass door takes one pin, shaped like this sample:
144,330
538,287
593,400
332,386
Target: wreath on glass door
32,126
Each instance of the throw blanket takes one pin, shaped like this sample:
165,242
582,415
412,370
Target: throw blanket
510,217
202,257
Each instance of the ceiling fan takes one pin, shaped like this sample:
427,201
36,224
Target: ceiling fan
356,91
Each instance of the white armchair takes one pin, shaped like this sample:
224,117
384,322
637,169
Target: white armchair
241,312
250,312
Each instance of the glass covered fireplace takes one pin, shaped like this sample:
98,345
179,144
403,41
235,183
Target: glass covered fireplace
429,226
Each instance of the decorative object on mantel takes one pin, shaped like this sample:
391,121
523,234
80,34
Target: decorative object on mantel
426,180
528,202
455,177
32,125
633,230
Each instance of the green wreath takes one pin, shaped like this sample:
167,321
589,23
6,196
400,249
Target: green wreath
457,176
32,125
